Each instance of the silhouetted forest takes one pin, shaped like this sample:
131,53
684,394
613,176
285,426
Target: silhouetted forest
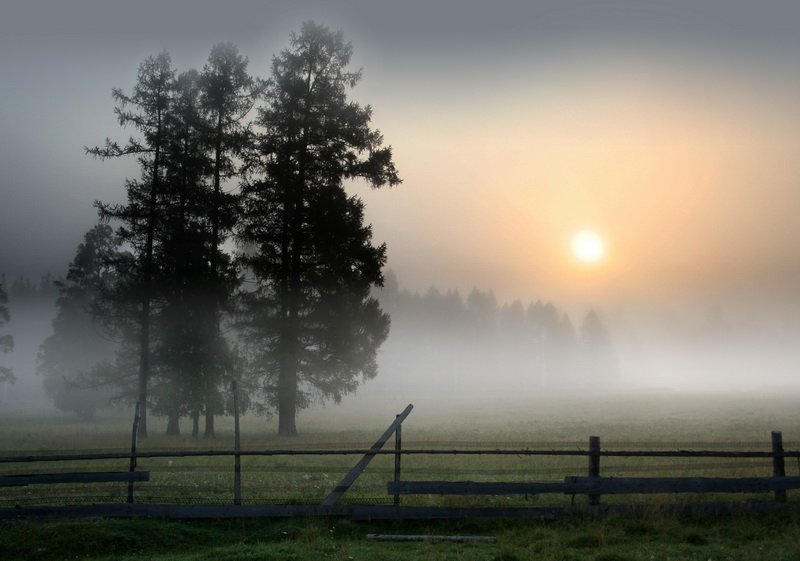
236,253
449,344
440,343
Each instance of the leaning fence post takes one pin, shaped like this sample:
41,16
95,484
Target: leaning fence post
134,436
353,474
594,465
398,445
237,459
778,467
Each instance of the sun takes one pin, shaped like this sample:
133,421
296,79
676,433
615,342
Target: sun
588,247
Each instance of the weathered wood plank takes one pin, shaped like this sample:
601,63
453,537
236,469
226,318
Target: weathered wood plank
594,466
79,477
398,445
636,485
778,467
354,512
353,474
405,452
474,488
429,538
599,485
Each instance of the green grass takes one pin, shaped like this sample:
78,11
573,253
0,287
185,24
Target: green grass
632,422
622,423
647,539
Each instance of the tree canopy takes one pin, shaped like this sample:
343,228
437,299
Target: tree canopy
310,315
275,184
78,343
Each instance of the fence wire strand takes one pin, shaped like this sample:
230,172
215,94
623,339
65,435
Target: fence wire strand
307,479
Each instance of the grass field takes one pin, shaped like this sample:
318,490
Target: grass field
611,539
633,422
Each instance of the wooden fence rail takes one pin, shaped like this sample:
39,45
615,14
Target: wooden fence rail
391,452
594,485
75,477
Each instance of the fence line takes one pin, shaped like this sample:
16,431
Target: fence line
593,485
404,452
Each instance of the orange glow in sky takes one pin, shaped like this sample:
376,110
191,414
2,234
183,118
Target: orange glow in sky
687,170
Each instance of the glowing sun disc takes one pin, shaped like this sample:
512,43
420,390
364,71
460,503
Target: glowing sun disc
588,247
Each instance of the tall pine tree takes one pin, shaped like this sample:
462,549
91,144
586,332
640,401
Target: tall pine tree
182,329
146,110
227,93
312,325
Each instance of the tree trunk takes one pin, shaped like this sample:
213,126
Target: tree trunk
173,425
287,404
287,385
209,432
288,365
215,302
292,253
144,342
196,424
144,366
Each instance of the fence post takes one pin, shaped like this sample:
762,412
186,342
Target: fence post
778,468
237,459
398,445
134,436
353,474
594,465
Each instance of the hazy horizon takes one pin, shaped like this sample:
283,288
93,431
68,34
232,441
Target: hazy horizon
669,129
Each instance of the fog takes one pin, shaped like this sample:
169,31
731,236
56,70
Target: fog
449,347
671,130
32,308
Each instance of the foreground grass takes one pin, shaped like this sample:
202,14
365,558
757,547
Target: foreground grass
610,539
624,423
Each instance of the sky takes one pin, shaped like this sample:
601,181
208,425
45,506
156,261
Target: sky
669,128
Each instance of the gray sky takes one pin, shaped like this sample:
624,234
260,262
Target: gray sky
668,127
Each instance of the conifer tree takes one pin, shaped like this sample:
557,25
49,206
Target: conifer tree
181,342
146,110
78,344
227,93
6,340
313,327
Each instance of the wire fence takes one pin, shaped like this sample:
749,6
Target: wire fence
323,473
305,477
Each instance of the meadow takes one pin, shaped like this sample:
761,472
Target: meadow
634,422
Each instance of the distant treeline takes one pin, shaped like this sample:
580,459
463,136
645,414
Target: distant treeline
23,290
442,341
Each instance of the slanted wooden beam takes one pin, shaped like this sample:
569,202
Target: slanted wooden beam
353,474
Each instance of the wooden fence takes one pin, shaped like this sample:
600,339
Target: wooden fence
592,484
